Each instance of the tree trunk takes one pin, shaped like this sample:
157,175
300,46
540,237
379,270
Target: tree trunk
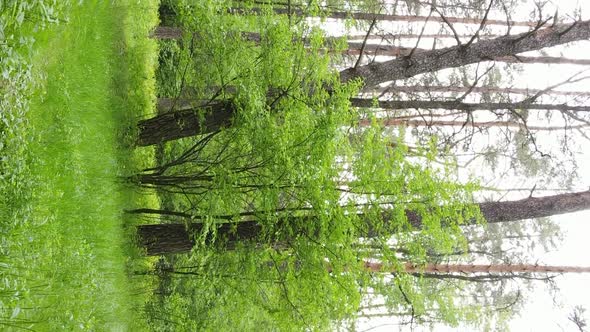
474,268
400,51
535,207
184,123
164,239
177,238
166,32
458,105
543,60
467,123
342,15
476,89
169,32
157,239
417,36
460,55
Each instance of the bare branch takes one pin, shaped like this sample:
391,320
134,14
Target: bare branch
365,43
481,26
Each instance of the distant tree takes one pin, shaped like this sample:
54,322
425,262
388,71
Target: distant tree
446,269
463,106
343,15
415,89
577,317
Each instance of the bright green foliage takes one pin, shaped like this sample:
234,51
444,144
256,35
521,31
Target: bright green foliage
63,249
328,195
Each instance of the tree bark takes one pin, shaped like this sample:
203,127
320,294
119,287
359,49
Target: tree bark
342,15
418,36
476,89
175,33
184,123
166,32
460,55
475,268
458,105
400,51
467,123
173,238
535,207
177,238
543,60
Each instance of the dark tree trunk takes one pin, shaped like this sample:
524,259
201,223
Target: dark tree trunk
475,89
164,239
175,237
457,105
166,32
185,123
400,51
544,60
342,15
430,123
535,207
460,55
181,120
480,268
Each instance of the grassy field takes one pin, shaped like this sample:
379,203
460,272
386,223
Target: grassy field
66,144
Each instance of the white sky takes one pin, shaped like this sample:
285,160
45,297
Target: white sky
543,312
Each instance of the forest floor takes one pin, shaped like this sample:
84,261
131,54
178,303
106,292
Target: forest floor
75,79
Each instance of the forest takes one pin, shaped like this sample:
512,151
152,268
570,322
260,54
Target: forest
291,165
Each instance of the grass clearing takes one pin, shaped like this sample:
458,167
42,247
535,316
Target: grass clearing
66,249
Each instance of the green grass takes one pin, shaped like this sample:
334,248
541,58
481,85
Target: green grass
67,246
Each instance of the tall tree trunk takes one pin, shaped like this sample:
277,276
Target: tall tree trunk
467,123
418,36
475,268
543,60
458,105
342,15
400,51
180,120
157,239
177,238
170,32
476,89
460,55
166,32
165,238
184,123
535,207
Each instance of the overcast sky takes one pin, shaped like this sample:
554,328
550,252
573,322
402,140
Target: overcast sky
543,311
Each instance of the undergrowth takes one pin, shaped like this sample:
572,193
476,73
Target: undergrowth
74,79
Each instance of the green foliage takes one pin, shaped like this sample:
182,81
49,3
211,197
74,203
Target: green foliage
62,249
329,195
